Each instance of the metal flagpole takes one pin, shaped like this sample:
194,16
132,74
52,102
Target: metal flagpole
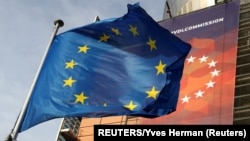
14,133
97,19
168,10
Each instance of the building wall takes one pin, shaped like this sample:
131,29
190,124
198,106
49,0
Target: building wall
180,7
242,90
87,125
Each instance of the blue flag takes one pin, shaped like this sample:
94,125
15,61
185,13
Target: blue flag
121,66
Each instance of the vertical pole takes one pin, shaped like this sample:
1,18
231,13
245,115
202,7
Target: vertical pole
168,10
14,133
58,133
97,19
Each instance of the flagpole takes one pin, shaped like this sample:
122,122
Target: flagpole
58,23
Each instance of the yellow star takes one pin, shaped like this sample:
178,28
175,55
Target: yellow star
104,38
80,98
83,49
133,29
69,82
116,31
160,68
70,64
130,106
151,43
105,104
152,93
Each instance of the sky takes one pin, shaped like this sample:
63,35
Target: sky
25,30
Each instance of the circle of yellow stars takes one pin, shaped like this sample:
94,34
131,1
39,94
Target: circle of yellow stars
160,67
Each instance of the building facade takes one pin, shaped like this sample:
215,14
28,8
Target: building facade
242,89
81,129
181,7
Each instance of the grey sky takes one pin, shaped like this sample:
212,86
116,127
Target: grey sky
25,29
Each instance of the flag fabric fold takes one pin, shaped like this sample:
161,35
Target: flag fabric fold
121,66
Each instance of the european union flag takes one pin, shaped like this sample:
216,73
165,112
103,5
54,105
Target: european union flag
120,66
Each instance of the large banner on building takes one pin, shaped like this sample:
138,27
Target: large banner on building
208,83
